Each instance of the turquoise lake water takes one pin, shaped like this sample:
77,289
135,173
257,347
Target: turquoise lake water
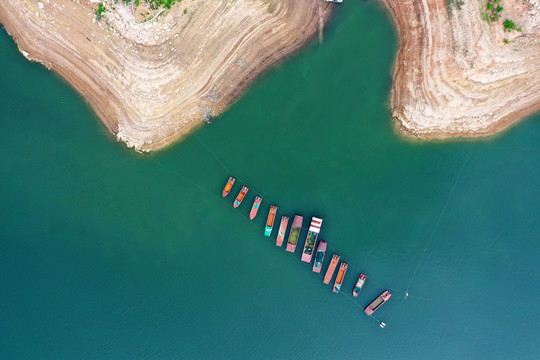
109,254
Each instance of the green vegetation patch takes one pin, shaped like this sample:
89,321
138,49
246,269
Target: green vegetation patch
453,4
100,11
493,10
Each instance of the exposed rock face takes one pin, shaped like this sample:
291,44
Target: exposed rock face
456,75
152,79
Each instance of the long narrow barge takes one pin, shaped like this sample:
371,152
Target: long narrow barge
377,303
270,220
282,230
331,269
319,256
311,239
295,232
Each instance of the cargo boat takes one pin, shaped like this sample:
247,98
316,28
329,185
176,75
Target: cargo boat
270,220
319,256
240,197
375,304
228,186
282,230
255,207
331,269
359,283
311,239
295,232
340,276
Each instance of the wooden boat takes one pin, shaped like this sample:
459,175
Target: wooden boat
228,186
270,220
282,230
240,197
255,207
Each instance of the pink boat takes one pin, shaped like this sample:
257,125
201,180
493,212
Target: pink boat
359,283
319,256
311,239
295,232
375,304
331,269
240,197
228,186
282,230
255,207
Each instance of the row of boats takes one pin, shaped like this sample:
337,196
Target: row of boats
309,246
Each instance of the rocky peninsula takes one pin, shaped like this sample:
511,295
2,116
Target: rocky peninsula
151,73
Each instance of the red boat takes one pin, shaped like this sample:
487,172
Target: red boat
241,196
228,186
331,269
282,230
340,276
255,207
375,304
359,283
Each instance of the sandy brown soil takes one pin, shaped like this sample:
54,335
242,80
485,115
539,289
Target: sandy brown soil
455,76
150,80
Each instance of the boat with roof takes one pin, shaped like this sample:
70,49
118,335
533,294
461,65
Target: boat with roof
228,186
331,269
282,230
319,256
255,207
270,220
358,286
340,276
295,232
377,303
311,239
240,197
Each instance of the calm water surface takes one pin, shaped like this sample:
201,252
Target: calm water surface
108,254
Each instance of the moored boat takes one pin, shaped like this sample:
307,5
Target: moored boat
340,276
295,232
255,207
240,197
331,269
377,303
319,256
228,186
282,230
270,220
311,239
359,283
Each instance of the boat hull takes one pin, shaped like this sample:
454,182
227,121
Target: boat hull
255,207
240,197
331,269
378,302
228,186
311,239
340,277
359,284
319,256
270,220
295,233
282,230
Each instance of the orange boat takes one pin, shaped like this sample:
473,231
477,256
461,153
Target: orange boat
240,197
255,207
331,269
270,220
340,276
282,230
228,186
